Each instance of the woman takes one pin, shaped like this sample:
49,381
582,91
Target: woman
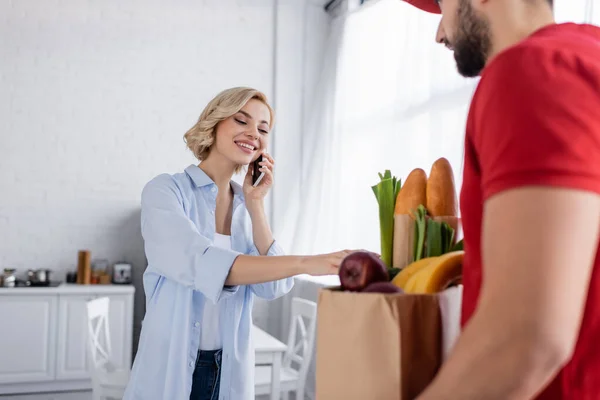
210,250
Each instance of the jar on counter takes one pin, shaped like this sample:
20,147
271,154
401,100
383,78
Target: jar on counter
8,278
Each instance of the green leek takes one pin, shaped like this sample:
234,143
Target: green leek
440,237
460,246
386,192
420,225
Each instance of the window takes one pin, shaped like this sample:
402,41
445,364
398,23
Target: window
399,104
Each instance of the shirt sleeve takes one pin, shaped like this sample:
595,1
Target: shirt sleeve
173,245
275,289
537,122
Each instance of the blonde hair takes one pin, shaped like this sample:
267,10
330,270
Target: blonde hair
202,135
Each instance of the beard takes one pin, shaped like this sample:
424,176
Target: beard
472,41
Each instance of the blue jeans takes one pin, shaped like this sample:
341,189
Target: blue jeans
207,376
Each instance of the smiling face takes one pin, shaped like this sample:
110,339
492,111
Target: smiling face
466,32
244,135
233,128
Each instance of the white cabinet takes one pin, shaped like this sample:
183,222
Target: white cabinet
44,335
72,350
121,329
28,333
72,360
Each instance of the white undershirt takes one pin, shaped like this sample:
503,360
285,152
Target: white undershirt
210,336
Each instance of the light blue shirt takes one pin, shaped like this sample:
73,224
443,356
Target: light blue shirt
184,270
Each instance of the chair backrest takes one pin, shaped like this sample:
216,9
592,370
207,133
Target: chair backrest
301,337
98,331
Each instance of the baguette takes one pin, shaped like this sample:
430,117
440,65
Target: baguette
441,193
412,194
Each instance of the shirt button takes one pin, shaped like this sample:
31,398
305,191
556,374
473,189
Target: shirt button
191,363
214,189
197,324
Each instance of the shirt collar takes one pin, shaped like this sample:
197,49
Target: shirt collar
200,179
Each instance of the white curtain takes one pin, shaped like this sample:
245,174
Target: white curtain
390,98
581,11
394,101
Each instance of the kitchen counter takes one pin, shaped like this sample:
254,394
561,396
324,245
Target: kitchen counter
67,288
47,331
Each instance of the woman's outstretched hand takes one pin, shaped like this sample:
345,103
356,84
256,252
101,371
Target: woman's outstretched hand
328,264
325,264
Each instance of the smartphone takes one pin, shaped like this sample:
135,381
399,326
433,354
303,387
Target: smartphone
257,175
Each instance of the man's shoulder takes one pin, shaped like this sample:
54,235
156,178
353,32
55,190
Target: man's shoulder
551,75
553,55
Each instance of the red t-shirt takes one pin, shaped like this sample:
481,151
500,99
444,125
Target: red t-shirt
535,120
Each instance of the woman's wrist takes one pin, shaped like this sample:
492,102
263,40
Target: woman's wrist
304,266
261,231
256,208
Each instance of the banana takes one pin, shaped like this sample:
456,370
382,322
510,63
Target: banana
437,275
410,286
403,276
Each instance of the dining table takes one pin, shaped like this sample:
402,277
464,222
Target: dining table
269,352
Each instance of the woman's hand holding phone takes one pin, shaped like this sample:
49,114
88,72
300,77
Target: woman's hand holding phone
257,174
255,195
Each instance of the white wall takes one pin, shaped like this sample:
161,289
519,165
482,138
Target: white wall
95,98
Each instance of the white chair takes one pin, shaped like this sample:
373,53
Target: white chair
298,355
107,381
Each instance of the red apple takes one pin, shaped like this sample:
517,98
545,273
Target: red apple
360,269
382,287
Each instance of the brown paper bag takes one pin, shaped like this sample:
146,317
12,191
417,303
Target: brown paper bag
404,240
376,346
450,306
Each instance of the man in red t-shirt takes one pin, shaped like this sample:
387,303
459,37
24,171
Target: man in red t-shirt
530,204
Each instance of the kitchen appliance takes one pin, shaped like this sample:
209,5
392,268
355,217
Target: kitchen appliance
71,277
8,278
39,277
122,273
